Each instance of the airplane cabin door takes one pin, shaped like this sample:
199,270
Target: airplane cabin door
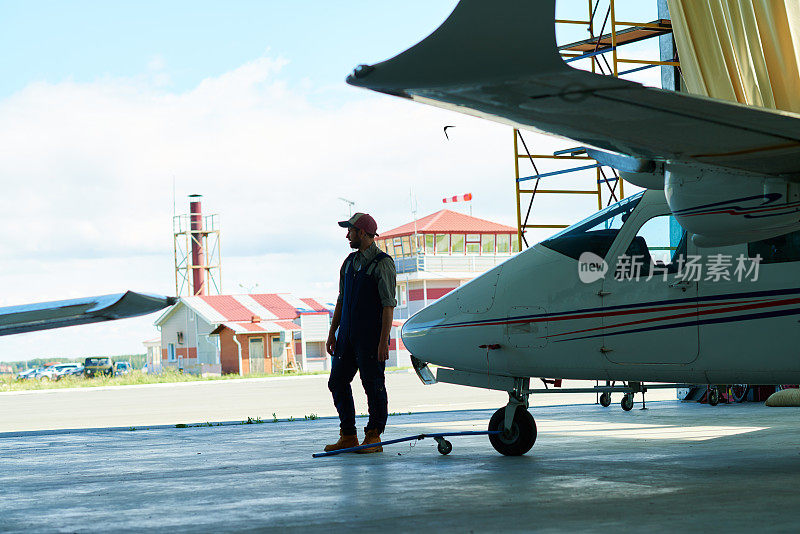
649,300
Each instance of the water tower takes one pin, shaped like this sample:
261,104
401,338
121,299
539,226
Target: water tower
197,251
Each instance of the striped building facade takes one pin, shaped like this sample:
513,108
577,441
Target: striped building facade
244,334
436,254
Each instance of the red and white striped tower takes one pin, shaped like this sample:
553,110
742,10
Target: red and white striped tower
197,252
198,245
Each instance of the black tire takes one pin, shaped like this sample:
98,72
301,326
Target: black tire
519,439
444,447
627,402
713,396
605,399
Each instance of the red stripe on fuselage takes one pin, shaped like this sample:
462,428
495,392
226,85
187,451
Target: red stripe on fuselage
592,315
698,313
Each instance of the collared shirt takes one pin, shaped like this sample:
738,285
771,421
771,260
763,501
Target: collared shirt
384,270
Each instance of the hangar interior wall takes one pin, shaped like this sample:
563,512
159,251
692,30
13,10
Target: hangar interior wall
740,50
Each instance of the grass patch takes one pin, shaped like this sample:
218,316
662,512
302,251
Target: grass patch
168,376
251,421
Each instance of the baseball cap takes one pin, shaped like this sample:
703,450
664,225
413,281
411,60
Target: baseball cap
362,221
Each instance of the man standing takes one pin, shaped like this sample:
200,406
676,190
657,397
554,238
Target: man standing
363,316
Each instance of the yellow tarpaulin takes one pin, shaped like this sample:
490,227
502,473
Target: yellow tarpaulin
745,51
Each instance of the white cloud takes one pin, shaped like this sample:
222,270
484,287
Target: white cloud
86,172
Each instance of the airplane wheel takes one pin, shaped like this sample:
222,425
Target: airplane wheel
519,439
713,397
605,399
444,447
627,402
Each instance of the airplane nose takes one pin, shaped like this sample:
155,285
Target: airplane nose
450,331
419,331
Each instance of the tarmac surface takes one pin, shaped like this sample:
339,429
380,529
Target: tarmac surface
674,465
236,400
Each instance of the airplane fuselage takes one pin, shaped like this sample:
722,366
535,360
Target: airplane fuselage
535,315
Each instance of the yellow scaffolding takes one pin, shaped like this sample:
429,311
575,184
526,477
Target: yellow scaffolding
593,48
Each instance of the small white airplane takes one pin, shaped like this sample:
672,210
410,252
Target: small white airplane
591,302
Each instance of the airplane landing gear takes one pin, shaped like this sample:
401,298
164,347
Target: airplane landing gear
516,440
627,402
517,429
605,399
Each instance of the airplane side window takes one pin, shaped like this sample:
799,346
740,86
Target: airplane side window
783,248
596,233
660,242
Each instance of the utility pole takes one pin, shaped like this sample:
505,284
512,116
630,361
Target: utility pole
349,203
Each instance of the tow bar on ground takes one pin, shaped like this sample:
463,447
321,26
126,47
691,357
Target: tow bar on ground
443,446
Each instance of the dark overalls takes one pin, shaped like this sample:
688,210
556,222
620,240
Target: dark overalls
357,347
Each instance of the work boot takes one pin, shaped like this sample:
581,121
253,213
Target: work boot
372,436
345,442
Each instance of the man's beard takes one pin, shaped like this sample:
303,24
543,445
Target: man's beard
355,243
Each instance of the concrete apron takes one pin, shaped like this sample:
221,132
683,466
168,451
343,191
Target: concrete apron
727,467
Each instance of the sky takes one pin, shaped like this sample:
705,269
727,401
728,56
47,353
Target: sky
111,113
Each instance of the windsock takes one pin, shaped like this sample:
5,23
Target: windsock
458,198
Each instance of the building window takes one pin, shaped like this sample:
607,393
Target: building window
473,243
407,246
171,352
421,244
429,243
443,244
398,248
457,241
503,243
402,297
487,244
514,243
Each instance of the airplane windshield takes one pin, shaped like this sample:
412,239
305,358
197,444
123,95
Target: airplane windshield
595,233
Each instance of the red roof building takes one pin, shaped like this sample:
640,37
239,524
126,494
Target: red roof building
244,334
436,254
447,221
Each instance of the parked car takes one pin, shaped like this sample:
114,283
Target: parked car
55,371
46,373
27,374
65,369
75,371
95,366
122,368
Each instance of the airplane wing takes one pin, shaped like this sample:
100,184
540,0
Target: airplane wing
499,60
46,315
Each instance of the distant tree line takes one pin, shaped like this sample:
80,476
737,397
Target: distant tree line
136,360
